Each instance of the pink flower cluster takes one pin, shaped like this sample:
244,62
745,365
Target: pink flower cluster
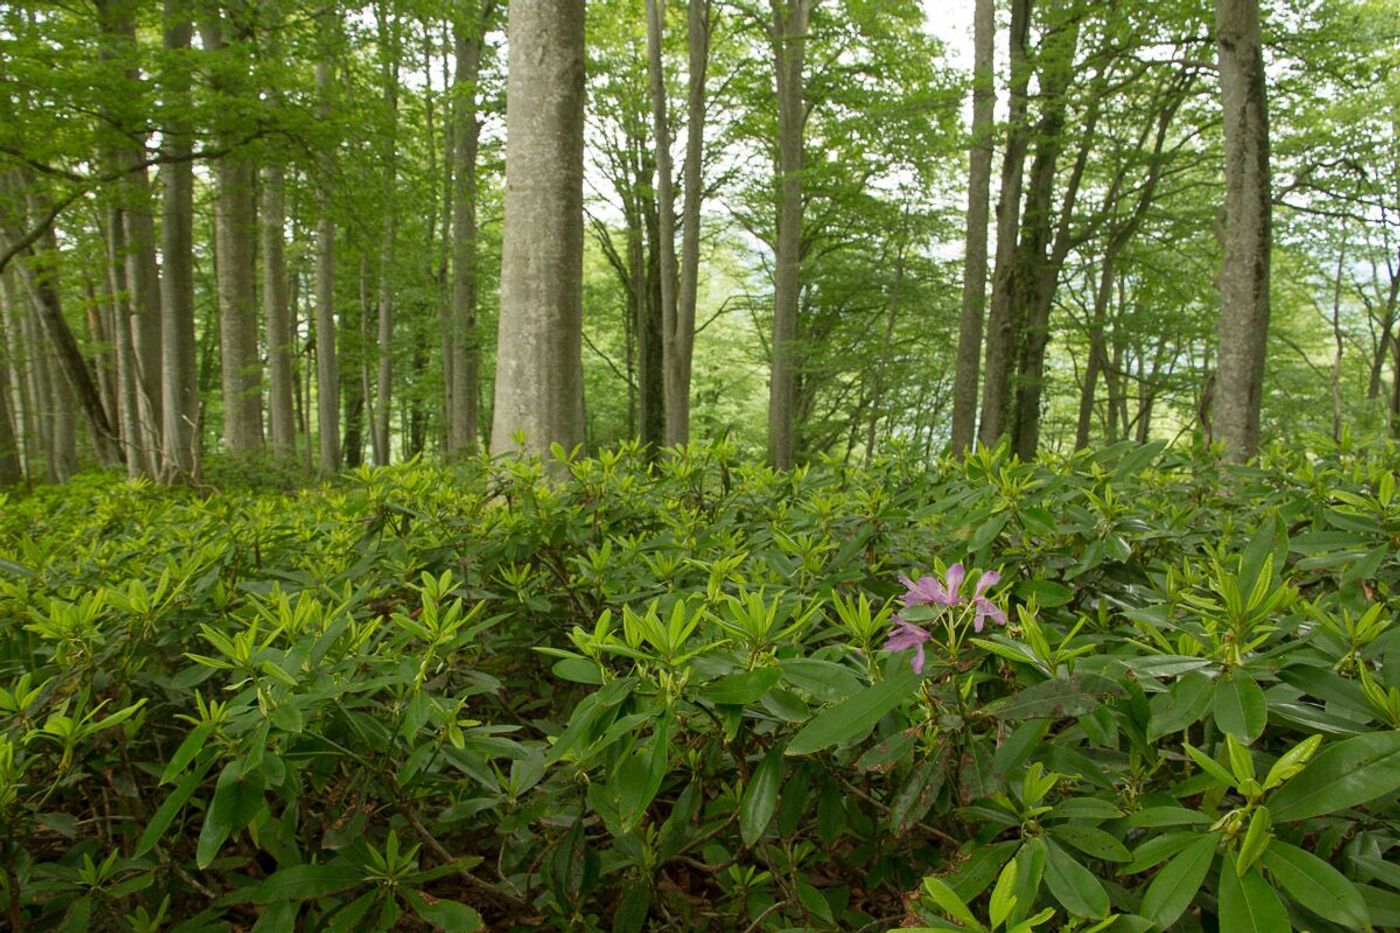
930,591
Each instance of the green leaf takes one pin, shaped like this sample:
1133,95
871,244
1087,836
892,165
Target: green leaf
741,688
760,798
1247,903
1047,593
1209,765
307,882
1073,885
1240,707
949,902
578,671
917,796
1187,701
1315,884
447,916
1092,841
1346,774
1175,886
237,799
852,718
821,680
190,747
1003,895
169,809
1053,699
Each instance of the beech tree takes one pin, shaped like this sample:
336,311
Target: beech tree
539,367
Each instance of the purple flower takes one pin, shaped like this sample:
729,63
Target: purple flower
906,635
928,591
984,607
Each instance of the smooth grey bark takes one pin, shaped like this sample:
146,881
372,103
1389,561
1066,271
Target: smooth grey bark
179,399
14,331
680,340
664,242
999,316
384,301
276,316
1244,271
327,368
539,368
235,238
11,468
135,452
464,369
789,36
979,183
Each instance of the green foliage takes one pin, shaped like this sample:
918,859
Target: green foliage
655,694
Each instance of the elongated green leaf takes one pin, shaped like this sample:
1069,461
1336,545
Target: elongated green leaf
852,718
1186,702
1172,891
307,882
760,798
1247,903
1343,775
1092,841
741,688
1073,885
1053,699
237,799
170,808
1315,884
1240,708
952,905
447,916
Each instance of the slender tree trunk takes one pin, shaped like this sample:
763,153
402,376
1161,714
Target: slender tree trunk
1244,272
651,327
327,369
539,369
276,314
680,340
877,393
1336,384
11,469
1097,353
384,382
235,236
179,381
99,311
1392,301
134,450
465,371
665,243
974,295
790,22
999,341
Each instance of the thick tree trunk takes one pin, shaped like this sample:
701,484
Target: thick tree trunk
539,369
680,341
1244,272
974,295
276,314
463,373
327,369
664,245
999,343
235,233
179,381
790,21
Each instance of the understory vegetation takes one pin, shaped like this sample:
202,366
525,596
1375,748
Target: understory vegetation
614,694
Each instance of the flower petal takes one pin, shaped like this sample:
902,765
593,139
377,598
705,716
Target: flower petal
954,576
988,609
988,580
918,663
906,635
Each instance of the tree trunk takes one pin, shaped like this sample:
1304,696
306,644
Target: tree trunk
1097,353
974,295
235,233
1244,271
327,370
680,341
999,323
539,369
384,382
650,323
134,449
790,21
665,243
179,381
465,346
276,314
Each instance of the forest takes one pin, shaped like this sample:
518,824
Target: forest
751,465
